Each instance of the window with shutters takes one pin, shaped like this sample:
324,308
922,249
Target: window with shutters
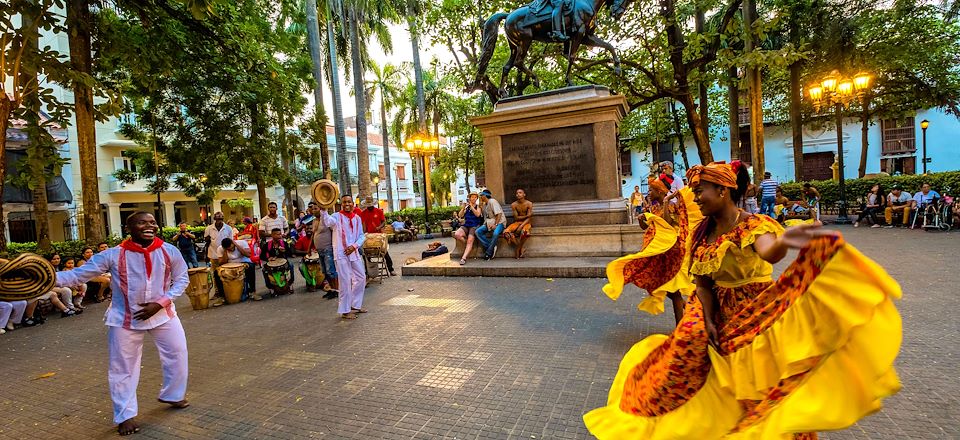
898,136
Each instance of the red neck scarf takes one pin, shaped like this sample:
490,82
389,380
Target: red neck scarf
348,215
132,246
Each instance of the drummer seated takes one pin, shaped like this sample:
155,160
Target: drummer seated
274,248
238,251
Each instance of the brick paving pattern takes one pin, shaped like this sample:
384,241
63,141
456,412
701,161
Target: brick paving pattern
468,358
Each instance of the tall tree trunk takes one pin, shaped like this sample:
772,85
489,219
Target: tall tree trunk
36,156
41,215
680,140
313,42
733,102
796,118
704,103
864,138
700,135
363,150
756,96
796,121
417,71
285,162
676,44
343,166
78,36
262,196
6,106
387,167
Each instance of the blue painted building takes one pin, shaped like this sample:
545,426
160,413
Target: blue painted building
894,146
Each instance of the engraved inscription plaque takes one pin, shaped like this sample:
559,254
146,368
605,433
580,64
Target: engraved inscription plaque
552,165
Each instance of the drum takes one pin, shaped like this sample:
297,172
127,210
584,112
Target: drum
311,270
375,244
232,275
277,271
199,289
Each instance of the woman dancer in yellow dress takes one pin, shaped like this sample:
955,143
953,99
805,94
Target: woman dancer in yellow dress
657,267
755,358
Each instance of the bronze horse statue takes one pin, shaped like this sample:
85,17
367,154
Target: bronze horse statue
529,23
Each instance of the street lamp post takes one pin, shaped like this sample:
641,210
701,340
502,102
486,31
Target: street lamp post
376,184
423,145
923,126
839,92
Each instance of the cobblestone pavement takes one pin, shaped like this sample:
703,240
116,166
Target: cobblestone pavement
479,358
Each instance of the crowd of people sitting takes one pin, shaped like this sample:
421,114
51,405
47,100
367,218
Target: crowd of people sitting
898,208
69,301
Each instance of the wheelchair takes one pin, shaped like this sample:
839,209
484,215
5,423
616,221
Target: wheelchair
935,215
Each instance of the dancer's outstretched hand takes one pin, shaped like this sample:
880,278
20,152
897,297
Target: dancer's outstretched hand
799,236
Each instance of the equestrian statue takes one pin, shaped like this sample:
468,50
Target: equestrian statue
569,22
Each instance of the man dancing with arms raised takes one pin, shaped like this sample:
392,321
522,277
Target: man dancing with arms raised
147,275
348,238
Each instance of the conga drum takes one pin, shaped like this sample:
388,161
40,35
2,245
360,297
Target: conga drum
232,275
199,289
277,271
311,269
375,244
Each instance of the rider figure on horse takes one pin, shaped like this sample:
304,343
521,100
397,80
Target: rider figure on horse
556,15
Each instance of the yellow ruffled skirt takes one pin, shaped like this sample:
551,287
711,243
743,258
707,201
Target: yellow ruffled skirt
658,267
817,354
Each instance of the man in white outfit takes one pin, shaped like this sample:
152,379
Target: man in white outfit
348,239
147,274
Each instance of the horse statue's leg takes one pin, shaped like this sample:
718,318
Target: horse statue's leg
592,40
523,48
511,61
570,48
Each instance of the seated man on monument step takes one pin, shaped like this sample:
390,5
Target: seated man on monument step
493,221
519,231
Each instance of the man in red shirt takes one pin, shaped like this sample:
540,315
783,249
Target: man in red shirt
373,222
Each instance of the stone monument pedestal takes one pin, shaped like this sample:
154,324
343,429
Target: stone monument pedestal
562,148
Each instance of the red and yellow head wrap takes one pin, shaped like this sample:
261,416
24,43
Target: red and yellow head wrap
655,183
720,173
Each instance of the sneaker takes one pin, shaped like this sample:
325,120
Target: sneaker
875,225
889,226
856,225
217,302
2,331
331,294
69,312
256,297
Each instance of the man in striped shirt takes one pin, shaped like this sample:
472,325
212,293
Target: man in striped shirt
768,194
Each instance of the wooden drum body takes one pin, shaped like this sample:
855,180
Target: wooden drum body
232,275
199,289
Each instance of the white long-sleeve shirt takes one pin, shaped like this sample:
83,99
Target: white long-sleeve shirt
346,232
133,282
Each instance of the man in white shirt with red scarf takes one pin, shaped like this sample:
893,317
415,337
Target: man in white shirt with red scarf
147,274
348,239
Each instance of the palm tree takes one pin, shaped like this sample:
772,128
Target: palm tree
334,8
386,81
365,18
313,41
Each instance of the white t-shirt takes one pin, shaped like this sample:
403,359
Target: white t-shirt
235,256
267,224
216,237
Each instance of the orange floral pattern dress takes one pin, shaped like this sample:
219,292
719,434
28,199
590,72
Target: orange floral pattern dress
659,266
828,323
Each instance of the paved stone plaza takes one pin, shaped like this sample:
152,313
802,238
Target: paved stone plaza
464,358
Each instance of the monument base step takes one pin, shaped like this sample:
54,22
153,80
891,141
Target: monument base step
569,241
553,267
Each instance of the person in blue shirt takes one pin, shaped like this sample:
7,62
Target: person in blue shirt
185,243
925,196
472,218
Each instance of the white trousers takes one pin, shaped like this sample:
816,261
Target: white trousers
11,311
126,348
353,280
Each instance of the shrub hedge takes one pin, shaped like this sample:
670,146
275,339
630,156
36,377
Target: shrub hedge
74,248
416,215
946,182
